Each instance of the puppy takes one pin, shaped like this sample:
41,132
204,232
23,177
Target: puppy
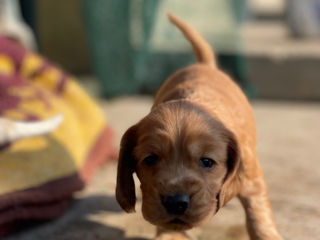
195,151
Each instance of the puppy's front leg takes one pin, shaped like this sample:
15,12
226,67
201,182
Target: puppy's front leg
259,218
163,234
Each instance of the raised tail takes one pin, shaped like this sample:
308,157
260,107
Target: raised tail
201,47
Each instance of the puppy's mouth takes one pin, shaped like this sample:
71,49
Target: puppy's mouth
177,221
178,224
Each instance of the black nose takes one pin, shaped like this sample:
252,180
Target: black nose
176,204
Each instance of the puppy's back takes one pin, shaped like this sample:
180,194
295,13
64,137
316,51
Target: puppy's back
209,88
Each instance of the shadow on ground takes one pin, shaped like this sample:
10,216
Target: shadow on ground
75,223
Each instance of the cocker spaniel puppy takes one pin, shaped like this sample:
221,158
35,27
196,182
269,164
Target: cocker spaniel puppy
195,151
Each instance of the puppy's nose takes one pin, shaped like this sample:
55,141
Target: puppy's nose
176,204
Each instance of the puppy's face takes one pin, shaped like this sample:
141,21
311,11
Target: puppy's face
182,158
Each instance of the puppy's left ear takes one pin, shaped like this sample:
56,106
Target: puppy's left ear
234,172
125,190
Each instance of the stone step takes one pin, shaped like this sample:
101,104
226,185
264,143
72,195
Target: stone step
280,66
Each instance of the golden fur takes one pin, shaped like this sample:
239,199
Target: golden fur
198,112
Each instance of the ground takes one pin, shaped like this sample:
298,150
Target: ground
288,148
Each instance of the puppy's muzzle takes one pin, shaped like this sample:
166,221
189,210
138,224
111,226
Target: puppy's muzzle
176,204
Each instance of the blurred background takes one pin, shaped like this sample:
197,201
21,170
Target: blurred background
271,48
121,51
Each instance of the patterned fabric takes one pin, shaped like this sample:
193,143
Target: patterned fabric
38,175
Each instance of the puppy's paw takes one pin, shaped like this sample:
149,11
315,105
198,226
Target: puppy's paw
172,236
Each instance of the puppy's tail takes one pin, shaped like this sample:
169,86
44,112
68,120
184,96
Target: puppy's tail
201,48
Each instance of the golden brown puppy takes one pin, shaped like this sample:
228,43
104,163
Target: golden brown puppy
195,151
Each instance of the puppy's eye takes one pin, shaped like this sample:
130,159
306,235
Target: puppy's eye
206,162
151,160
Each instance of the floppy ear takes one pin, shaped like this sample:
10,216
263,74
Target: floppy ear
125,190
235,170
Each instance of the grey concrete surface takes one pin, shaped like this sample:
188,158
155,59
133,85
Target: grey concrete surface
289,143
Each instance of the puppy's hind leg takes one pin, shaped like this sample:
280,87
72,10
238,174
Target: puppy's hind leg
260,223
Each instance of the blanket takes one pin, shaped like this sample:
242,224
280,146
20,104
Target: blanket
38,175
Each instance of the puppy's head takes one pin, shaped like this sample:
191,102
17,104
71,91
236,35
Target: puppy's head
186,162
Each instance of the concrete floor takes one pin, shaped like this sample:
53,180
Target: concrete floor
289,141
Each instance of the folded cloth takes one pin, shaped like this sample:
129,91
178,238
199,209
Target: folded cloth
38,175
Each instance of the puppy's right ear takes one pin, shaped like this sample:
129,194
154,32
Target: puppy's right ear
125,190
235,172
